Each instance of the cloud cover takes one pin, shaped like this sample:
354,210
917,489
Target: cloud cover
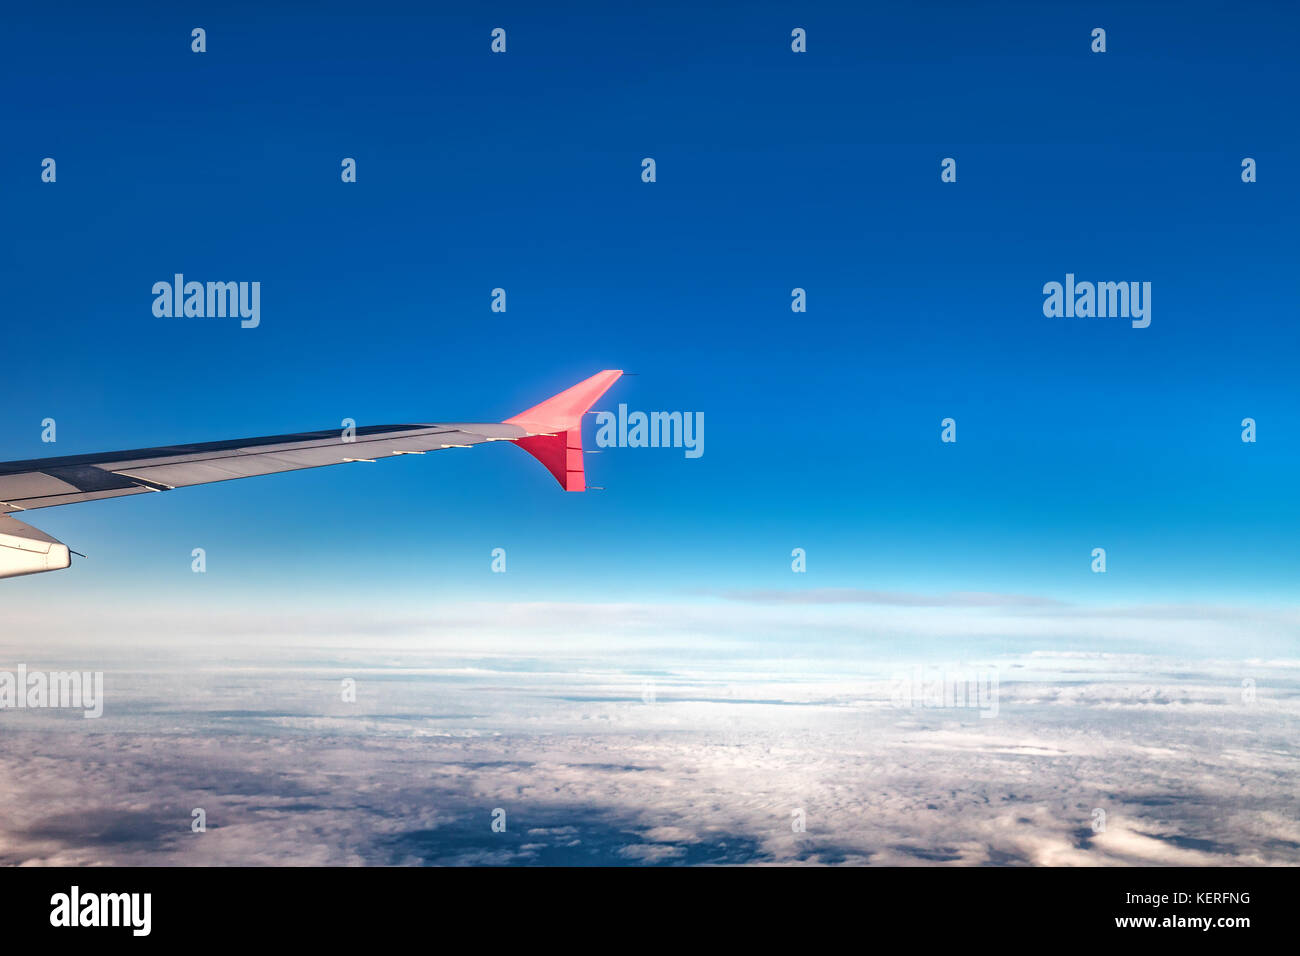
649,760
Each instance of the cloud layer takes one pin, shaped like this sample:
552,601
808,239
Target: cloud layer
596,762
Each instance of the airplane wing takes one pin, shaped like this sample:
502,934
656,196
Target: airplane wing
551,432
47,482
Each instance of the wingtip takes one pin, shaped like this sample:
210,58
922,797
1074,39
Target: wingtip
556,425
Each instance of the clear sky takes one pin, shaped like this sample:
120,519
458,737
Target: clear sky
775,170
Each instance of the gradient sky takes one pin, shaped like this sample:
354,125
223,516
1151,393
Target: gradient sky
775,170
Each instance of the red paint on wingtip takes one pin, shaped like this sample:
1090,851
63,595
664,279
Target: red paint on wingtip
559,419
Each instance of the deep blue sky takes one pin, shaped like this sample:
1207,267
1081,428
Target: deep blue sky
775,170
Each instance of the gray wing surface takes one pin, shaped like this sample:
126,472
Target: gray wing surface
47,482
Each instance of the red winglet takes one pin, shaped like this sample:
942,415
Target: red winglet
556,425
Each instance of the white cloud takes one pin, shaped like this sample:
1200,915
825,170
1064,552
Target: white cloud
1184,768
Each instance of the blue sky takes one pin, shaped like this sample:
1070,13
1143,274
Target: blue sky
775,170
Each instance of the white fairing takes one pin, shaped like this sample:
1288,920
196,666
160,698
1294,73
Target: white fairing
25,550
